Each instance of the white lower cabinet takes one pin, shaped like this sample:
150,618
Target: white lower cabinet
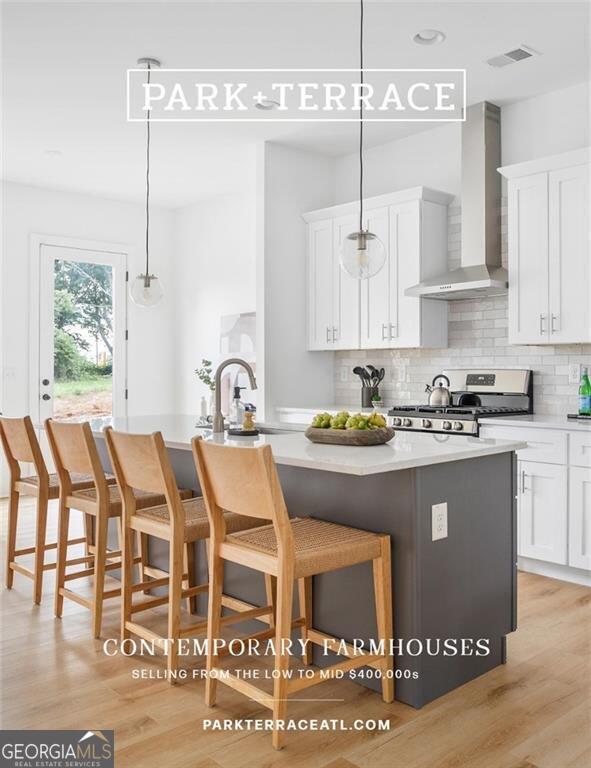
542,511
579,518
553,497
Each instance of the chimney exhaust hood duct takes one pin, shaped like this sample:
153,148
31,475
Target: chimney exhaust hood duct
480,273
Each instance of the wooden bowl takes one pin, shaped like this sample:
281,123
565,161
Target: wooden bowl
350,436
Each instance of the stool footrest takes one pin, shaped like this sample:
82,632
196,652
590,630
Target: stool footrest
86,602
17,568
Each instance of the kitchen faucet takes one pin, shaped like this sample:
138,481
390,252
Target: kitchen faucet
218,417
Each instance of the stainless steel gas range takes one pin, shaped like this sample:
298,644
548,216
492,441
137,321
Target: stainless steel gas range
476,393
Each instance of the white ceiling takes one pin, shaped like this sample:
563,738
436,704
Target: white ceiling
64,79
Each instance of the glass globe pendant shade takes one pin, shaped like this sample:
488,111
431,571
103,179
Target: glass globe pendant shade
146,290
362,254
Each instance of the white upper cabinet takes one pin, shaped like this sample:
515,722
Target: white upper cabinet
376,313
568,244
345,290
548,232
320,284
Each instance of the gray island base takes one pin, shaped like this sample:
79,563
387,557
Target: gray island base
460,589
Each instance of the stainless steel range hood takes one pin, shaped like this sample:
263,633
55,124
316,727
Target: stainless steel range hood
480,273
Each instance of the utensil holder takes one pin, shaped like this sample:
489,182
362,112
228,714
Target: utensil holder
366,394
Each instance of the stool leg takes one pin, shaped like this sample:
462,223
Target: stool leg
143,549
126,579
189,568
42,502
214,613
305,601
175,588
271,592
100,553
88,534
382,584
61,556
282,636
11,543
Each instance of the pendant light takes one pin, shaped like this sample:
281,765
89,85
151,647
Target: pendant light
146,290
362,253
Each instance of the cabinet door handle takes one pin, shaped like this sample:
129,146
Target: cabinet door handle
552,323
523,476
335,334
542,321
393,333
327,335
384,326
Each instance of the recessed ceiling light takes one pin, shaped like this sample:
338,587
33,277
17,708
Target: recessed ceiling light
53,153
429,37
266,104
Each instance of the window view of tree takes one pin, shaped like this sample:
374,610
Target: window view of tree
83,339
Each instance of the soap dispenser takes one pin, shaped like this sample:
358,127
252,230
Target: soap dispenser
237,407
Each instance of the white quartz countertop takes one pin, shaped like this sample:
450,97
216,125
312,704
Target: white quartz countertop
543,421
406,451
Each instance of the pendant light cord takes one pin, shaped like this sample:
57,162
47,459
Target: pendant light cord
361,82
148,186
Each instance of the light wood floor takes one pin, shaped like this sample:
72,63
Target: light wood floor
531,713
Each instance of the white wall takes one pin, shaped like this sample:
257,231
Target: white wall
544,125
32,210
215,276
430,158
289,183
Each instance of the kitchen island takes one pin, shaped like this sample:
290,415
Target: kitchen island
454,597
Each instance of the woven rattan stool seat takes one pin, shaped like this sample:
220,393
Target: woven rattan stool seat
196,521
319,546
78,483
88,498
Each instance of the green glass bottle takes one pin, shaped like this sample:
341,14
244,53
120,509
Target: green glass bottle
585,394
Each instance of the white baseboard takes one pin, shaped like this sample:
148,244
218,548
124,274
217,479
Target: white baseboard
554,571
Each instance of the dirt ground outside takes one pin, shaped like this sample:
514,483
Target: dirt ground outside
75,400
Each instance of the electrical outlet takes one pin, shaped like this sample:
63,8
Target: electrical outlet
574,373
344,374
439,521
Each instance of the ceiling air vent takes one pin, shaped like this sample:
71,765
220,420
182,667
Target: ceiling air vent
517,54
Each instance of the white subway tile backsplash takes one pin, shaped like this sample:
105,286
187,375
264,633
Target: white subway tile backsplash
477,338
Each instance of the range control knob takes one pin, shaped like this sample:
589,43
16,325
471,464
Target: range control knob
426,424
407,423
446,425
397,422
458,426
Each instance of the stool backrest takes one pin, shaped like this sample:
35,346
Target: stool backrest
141,462
20,443
74,451
244,481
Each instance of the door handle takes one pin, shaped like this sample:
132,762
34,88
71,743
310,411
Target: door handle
335,334
393,333
327,335
384,326
542,321
46,397
45,382
523,476
552,322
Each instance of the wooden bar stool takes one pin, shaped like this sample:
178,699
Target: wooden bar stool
245,481
21,445
141,461
74,451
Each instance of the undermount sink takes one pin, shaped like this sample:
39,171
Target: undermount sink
262,430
